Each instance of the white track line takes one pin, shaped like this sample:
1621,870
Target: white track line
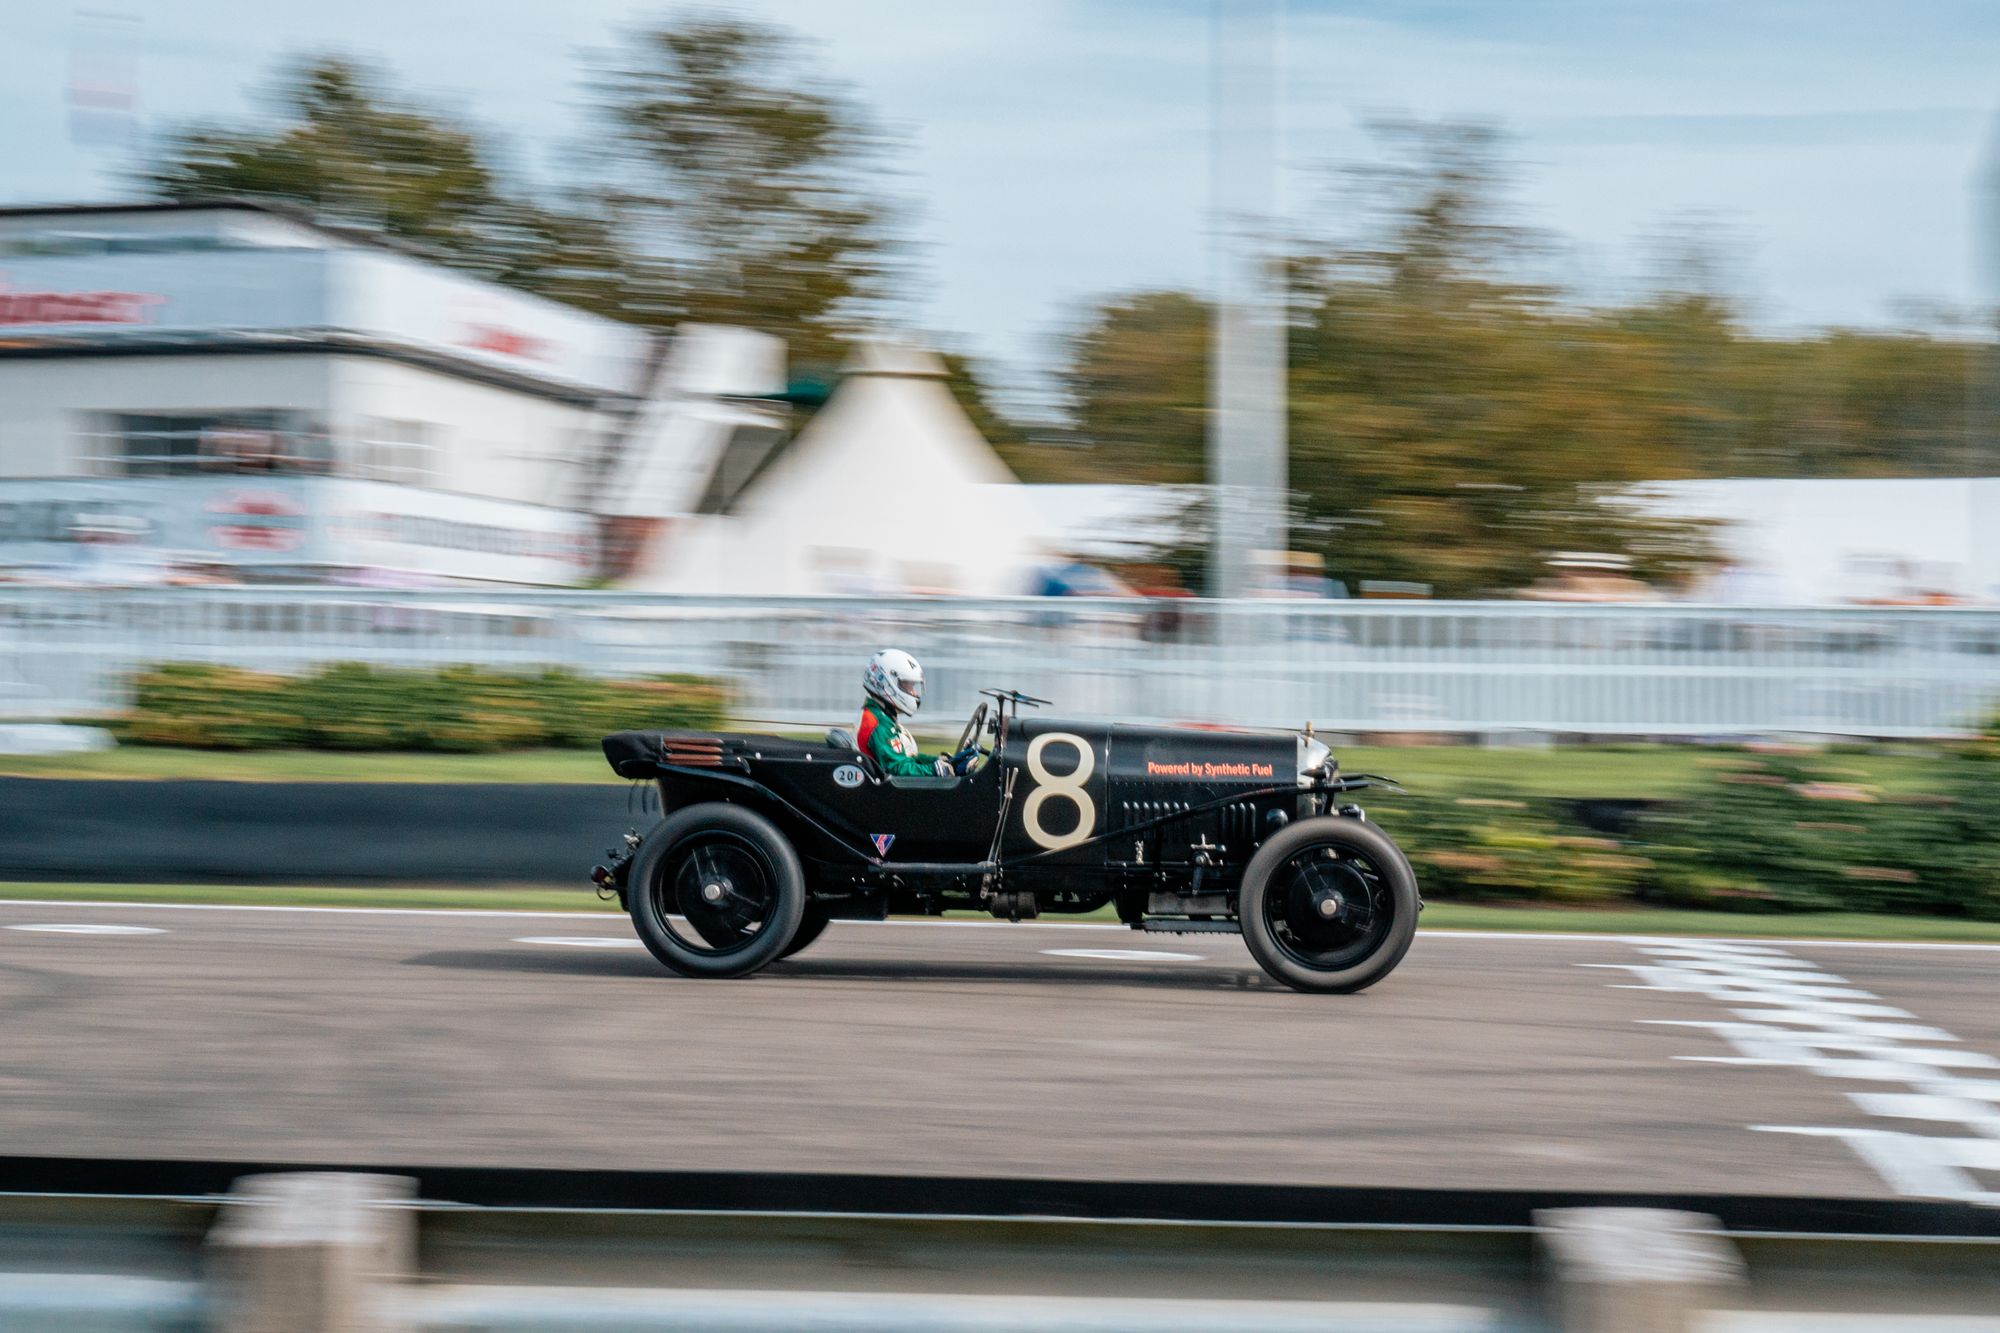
584,941
1447,933
1126,955
1435,933
271,907
606,917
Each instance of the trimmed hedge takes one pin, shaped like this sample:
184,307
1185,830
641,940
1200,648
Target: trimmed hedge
1772,831
1508,850
352,706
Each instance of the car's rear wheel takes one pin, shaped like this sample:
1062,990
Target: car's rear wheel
716,891
1329,904
811,926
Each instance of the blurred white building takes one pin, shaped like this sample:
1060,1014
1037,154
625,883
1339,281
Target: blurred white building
1840,540
234,386
234,391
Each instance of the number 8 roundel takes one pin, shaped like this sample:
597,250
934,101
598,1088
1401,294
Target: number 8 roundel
1067,786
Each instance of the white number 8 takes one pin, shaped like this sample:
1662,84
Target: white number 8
1069,786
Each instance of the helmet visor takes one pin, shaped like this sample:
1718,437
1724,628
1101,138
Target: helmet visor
912,686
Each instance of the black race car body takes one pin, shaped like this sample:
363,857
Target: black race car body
1169,825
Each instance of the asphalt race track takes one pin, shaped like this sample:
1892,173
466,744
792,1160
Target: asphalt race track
1080,1051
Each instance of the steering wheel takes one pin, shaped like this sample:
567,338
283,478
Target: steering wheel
975,727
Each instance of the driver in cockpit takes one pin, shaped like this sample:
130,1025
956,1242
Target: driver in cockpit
894,684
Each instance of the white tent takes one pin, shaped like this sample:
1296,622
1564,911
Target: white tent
885,490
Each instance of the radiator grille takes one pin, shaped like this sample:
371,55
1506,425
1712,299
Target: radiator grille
1233,825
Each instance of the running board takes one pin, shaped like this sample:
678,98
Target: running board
1176,927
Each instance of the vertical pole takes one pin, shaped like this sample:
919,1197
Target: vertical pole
1986,240
1983,383
1246,432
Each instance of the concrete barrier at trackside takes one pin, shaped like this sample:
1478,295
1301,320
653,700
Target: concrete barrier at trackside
174,832
312,1252
1635,1270
297,1249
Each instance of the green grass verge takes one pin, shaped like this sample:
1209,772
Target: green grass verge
1606,771
314,895
1437,916
1617,772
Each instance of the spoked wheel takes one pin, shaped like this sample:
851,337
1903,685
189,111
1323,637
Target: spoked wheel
716,891
1328,904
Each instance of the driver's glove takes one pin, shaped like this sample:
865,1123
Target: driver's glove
944,767
962,762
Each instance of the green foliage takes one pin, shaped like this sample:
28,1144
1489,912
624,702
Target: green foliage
1507,850
1800,832
1138,379
212,708
748,184
1965,853
730,185
1769,831
351,706
352,150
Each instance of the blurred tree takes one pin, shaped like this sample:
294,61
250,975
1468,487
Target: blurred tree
732,185
1453,422
1137,379
1872,404
747,184
352,150
969,389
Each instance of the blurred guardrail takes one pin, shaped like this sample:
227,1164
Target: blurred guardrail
241,1250
1464,667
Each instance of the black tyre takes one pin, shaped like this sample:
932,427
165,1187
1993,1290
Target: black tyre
1329,904
716,891
811,926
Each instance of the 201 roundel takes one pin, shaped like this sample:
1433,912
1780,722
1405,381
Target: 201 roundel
847,775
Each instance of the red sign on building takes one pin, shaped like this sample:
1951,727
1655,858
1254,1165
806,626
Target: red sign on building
74,307
256,521
506,342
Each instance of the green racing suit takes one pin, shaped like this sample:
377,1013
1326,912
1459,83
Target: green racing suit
884,739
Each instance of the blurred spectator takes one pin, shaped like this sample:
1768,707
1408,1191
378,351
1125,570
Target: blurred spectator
1589,577
1076,579
1296,574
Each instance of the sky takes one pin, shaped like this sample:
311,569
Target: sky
1057,150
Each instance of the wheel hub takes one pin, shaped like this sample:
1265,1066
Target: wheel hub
1328,902
723,890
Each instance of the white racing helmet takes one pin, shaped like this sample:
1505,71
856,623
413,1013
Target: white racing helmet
895,681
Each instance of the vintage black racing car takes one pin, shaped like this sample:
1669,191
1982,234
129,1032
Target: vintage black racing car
764,840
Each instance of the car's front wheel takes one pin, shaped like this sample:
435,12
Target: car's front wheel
716,891
1328,904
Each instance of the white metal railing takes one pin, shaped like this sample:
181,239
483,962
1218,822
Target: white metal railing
1632,670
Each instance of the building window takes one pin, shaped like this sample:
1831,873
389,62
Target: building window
399,451
174,444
